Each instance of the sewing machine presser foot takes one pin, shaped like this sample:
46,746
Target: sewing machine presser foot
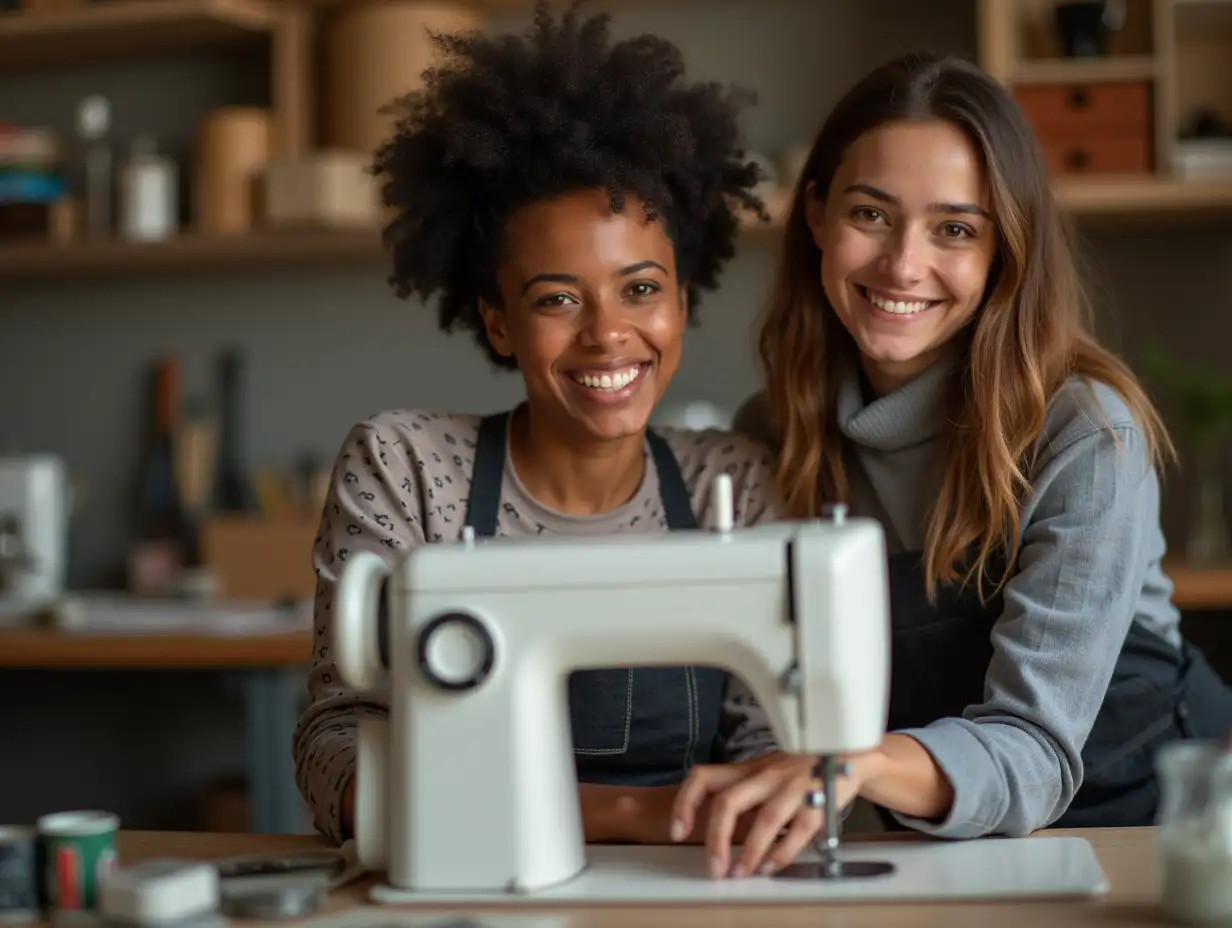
831,866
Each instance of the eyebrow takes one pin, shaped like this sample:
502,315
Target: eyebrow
573,279
878,194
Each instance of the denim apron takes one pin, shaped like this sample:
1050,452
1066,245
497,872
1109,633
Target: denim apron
1158,693
645,726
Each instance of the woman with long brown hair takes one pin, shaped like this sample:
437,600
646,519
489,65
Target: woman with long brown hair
927,362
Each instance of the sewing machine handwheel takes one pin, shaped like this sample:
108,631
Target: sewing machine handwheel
456,652
838,870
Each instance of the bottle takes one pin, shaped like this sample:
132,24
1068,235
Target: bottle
148,194
233,488
161,518
93,124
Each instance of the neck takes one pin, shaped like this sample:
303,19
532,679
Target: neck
573,475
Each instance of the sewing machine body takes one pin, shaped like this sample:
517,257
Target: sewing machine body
470,785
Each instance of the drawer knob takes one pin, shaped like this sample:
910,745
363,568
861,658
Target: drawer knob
1079,98
1077,159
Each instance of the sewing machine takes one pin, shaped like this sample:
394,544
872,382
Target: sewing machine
467,791
35,503
482,637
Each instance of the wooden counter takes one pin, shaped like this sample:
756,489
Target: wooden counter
1127,856
49,649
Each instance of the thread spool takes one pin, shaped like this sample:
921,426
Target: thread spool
234,149
724,509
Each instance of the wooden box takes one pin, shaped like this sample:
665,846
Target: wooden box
254,558
1092,128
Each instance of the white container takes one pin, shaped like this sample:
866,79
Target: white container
149,195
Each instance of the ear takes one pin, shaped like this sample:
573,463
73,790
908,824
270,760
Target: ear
684,302
496,327
815,214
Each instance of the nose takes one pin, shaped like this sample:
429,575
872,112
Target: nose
605,324
905,259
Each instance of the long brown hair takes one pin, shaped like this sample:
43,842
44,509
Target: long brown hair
1029,336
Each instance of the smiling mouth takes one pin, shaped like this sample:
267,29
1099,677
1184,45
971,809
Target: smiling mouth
609,381
896,307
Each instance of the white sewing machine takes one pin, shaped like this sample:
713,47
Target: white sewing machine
479,789
468,791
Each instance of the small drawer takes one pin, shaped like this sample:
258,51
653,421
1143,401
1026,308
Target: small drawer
1094,155
1070,109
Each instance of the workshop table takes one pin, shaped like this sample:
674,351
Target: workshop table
270,666
1127,856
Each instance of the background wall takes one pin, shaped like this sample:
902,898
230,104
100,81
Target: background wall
326,347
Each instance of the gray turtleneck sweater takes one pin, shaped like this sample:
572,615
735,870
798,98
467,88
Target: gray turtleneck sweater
1089,566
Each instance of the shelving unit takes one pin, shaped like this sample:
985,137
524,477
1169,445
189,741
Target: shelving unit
1180,49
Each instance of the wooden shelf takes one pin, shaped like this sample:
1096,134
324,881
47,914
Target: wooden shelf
1117,199
1085,70
187,252
118,28
36,260
1200,588
1142,196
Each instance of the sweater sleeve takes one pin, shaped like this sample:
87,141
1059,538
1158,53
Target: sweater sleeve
1014,760
372,505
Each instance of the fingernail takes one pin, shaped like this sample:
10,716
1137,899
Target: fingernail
738,872
677,830
716,867
766,869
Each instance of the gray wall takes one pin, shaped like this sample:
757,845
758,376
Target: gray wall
329,346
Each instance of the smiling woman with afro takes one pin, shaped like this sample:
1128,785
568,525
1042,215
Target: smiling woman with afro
566,197
505,121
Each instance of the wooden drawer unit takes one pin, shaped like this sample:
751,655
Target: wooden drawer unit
1102,128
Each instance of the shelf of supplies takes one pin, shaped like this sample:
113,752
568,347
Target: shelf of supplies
1200,588
1085,70
120,28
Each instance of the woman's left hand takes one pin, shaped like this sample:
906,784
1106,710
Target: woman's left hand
785,824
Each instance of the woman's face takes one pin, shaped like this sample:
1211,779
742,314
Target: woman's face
907,239
592,311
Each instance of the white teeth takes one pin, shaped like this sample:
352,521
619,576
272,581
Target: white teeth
898,307
616,380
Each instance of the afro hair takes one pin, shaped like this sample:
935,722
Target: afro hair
504,121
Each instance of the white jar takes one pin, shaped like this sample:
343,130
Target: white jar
149,194
1194,830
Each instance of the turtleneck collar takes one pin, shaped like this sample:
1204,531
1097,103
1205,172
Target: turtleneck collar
911,415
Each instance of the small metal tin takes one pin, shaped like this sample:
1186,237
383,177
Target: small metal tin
20,880
271,898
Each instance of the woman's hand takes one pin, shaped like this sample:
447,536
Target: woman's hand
770,789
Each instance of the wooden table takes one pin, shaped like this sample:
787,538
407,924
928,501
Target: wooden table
1127,856
270,667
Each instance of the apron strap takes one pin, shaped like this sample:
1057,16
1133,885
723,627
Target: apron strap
672,490
483,506
487,475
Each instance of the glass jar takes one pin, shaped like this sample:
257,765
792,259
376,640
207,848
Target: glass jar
1194,831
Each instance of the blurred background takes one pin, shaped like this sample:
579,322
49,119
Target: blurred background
194,309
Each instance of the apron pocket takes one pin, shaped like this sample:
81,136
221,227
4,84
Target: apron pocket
601,711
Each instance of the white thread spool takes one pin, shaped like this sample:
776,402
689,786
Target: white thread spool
724,509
